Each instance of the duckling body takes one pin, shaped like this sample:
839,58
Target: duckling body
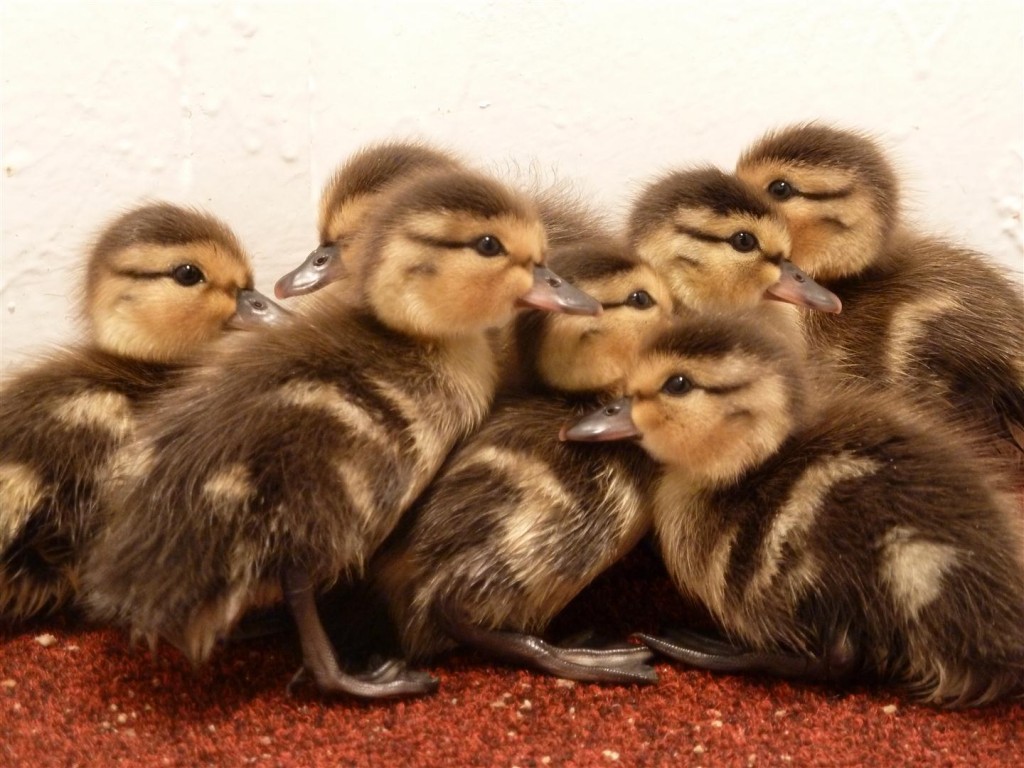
281,466
858,537
937,321
517,523
162,283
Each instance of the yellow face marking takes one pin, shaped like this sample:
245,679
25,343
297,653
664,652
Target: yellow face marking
581,353
155,318
21,489
831,238
913,568
340,224
715,436
426,287
706,275
109,411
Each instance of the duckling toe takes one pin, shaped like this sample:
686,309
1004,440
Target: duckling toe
716,655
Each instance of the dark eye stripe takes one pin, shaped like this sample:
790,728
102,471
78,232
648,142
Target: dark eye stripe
705,237
698,235
138,274
821,196
726,389
436,241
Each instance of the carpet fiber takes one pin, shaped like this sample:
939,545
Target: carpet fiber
84,696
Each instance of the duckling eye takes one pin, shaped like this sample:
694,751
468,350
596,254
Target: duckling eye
676,385
489,245
640,300
187,275
781,190
743,242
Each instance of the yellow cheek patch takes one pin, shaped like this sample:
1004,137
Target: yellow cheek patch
341,223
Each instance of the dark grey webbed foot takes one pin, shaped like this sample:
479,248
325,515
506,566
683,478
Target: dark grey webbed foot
618,664
718,655
395,672
389,680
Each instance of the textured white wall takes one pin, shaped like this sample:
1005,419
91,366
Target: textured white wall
244,108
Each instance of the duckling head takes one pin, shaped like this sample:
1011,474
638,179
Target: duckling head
345,202
836,189
162,281
453,252
710,395
576,353
719,245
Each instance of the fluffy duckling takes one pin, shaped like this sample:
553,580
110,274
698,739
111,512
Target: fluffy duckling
858,537
518,523
934,319
347,199
281,466
719,245
162,283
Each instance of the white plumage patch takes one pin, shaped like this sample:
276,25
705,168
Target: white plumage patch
797,516
311,394
906,327
913,568
109,411
232,484
20,490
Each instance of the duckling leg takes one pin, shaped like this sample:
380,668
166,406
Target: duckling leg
716,655
391,679
624,664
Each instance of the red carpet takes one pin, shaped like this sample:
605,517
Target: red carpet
90,699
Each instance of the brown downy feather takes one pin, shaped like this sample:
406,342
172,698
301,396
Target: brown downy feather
939,322
859,522
62,420
303,448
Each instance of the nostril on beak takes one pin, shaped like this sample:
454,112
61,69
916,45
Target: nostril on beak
611,410
554,282
319,261
259,305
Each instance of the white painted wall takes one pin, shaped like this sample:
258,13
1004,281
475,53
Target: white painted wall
244,108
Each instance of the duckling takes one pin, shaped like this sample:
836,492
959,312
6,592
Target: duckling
162,283
857,536
279,467
517,523
719,245
347,199
936,320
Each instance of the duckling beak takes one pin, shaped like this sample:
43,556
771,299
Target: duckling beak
254,310
797,288
552,293
321,267
613,422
